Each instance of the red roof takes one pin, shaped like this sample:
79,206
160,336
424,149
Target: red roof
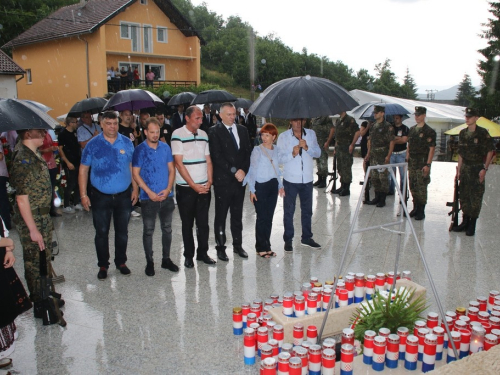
85,18
8,66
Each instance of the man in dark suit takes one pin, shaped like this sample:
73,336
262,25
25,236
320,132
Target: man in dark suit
251,124
178,120
230,152
207,118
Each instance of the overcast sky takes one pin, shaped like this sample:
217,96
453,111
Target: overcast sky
436,39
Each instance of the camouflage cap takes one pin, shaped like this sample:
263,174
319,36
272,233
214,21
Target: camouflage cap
379,108
470,112
420,110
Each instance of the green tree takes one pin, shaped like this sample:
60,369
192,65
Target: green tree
16,16
386,83
409,87
363,80
489,101
466,92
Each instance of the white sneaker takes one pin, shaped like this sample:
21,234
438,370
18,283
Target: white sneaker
135,213
78,207
68,210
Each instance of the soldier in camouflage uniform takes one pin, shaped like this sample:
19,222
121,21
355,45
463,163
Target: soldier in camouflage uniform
30,178
420,151
321,126
474,146
346,134
380,147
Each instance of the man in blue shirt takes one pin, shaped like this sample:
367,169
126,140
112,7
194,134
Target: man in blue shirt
297,149
153,170
109,155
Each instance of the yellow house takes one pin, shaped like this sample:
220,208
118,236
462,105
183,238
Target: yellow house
67,55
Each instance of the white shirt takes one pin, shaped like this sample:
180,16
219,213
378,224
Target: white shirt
235,132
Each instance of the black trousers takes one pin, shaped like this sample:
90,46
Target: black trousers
193,206
229,198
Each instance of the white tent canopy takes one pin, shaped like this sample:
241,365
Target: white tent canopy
439,116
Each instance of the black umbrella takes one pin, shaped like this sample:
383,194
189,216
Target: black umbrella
40,106
182,98
133,100
243,103
303,97
92,105
213,96
18,115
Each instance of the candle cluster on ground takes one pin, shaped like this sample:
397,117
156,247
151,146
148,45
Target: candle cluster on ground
472,329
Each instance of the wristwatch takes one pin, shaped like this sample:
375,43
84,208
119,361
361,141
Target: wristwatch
429,165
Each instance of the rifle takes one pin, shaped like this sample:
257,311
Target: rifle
455,206
333,175
50,307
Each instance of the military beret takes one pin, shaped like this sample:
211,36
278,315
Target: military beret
379,108
420,110
469,112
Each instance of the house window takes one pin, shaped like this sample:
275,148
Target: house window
124,31
162,36
148,36
28,76
133,32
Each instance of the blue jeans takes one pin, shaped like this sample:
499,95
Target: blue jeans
150,210
304,191
103,207
267,197
397,158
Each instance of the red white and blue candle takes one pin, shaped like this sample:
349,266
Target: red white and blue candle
298,333
421,338
268,366
315,360
288,304
326,294
369,286
379,349
359,287
262,338
429,358
249,346
237,321
346,359
312,334
328,362
302,353
295,366
312,303
368,347
245,309
349,285
432,320
490,340
403,333
464,342
392,353
456,336
411,354
283,359
491,299
279,334
299,306
439,332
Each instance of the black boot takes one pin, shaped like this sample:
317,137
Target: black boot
471,229
337,191
346,190
420,212
318,181
414,211
375,200
322,182
381,202
465,224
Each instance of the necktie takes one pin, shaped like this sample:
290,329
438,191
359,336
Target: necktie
233,138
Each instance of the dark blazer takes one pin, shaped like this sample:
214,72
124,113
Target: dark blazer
206,124
251,125
226,160
175,121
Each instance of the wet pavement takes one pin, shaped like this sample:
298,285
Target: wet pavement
181,323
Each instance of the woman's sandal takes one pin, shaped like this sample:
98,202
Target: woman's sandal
271,253
5,362
264,254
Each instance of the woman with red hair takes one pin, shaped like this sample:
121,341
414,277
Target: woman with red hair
265,183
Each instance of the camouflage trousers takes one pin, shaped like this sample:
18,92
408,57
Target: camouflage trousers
471,190
379,179
344,164
416,179
31,252
322,163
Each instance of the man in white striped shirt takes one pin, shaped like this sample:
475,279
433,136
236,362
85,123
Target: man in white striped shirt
193,181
